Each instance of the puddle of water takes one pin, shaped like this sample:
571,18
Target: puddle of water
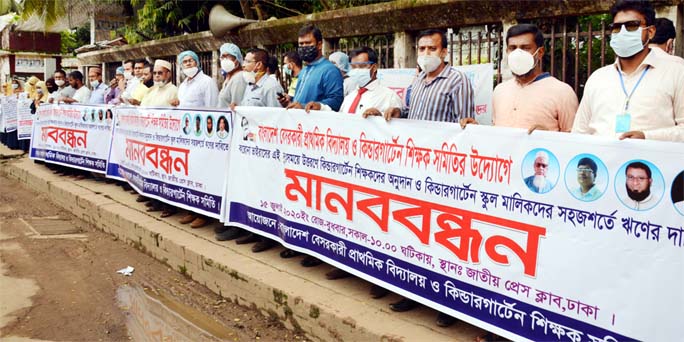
154,317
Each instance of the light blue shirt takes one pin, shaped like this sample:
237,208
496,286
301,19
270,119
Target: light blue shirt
320,81
97,94
262,94
591,195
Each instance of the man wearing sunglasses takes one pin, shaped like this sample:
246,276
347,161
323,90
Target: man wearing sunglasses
641,95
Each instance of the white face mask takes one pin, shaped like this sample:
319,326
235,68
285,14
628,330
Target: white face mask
429,63
160,83
360,76
59,83
15,86
128,75
190,72
227,65
627,44
521,61
94,84
249,76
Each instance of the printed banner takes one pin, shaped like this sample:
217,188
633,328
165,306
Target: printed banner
24,119
548,237
178,156
78,136
8,122
481,77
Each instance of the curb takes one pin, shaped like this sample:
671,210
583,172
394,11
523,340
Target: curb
301,298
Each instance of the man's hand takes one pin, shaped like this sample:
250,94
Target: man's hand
284,100
392,113
371,112
467,121
295,105
232,106
312,106
633,135
67,100
536,127
134,102
175,102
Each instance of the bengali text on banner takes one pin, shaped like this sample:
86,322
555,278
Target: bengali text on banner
178,156
535,237
77,136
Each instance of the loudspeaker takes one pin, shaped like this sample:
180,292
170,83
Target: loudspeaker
221,21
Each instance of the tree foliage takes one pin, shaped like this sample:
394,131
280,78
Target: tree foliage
74,39
48,11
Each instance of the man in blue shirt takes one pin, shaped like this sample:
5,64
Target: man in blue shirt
320,82
98,88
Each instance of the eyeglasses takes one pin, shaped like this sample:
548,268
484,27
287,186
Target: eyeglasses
541,165
584,170
630,26
636,179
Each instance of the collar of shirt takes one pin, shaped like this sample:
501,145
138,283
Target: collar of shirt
652,59
442,74
316,62
260,82
189,80
374,84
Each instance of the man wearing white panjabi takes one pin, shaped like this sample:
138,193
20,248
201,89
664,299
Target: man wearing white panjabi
198,89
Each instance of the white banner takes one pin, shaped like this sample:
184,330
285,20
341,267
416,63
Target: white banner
24,119
481,77
178,156
8,121
78,136
457,221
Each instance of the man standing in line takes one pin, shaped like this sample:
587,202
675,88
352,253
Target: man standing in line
292,66
234,86
533,99
319,82
63,88
163,92
641,95
98,88
82,94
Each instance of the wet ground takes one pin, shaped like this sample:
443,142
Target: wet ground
58,282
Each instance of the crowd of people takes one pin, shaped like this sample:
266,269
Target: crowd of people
640,96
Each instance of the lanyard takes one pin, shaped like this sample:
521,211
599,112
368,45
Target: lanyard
622,82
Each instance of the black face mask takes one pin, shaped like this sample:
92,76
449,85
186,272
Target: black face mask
308,53
149,83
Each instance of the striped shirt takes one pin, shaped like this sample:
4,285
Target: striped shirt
448,97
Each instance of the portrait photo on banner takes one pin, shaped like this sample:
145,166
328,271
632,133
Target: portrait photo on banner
586,177
677,193
540,170
639,185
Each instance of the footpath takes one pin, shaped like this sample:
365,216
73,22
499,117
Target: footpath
302,298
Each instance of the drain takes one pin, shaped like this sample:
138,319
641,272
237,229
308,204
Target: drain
52,226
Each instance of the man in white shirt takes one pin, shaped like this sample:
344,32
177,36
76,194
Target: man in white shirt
234,85
198,89
641,95
370,98
82,94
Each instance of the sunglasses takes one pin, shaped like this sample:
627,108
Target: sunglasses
630,26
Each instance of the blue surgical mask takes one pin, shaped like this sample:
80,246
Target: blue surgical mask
287,71
627,44
360,76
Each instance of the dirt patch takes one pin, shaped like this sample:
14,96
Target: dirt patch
78,283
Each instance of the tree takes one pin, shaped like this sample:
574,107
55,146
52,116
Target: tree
48,11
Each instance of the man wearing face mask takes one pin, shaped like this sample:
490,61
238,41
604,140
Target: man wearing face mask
370,98
133,76
146,82
320,82
292,65
641,95
197,89
163,92
341,61
115,87
97,93
63,88
234,85
262,91
532,99
439,92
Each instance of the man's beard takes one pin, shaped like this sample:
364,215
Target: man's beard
539,181
636,195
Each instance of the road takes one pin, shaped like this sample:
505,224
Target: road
58,282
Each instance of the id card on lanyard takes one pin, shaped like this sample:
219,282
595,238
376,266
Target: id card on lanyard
623,122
